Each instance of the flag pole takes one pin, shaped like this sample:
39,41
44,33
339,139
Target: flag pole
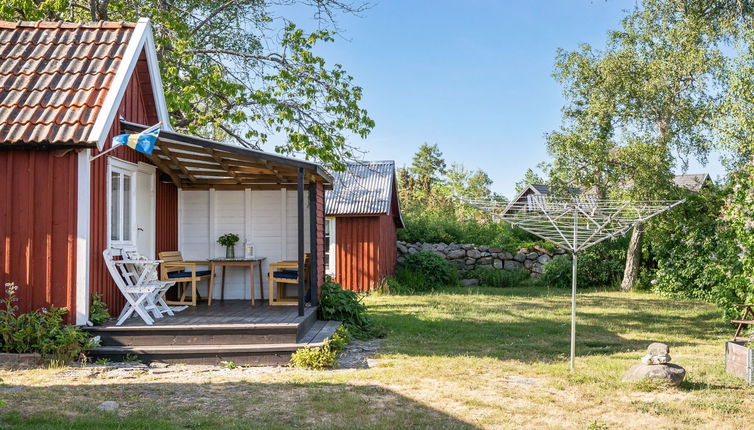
114,147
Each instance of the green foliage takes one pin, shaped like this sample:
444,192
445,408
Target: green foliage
40,331
557,273
228,365
131,358
228,239
435,270
530,177
602,265
325,357
738,265
343,305
442,226
490,277
688,248
238,70
409,281
98,313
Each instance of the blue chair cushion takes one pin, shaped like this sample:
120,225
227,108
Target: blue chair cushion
183,274
286,274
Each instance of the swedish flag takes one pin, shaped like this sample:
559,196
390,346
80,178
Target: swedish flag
143,142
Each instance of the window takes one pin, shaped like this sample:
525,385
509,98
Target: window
330,246
121,205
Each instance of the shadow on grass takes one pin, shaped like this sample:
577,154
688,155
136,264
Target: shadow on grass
533,325
242,405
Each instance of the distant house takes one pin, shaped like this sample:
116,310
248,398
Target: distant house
362,214
692,182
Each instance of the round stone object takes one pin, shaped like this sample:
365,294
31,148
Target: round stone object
658,348
673,374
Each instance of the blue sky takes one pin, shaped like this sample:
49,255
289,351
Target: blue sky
473,76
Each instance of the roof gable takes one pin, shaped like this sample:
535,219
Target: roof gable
62,83
363,188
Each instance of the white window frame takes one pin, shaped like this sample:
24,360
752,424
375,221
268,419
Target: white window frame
331,254
116,165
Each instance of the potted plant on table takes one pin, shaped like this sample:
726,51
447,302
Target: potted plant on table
229,242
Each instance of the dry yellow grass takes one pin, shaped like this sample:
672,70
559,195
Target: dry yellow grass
488,358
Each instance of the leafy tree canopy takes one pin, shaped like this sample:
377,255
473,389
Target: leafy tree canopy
234,70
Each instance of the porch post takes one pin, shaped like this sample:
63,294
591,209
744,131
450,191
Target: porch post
300,216
313,248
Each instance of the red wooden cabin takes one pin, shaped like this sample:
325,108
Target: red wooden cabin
362,215
67,89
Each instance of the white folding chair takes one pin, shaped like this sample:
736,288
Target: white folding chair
135,280
156,301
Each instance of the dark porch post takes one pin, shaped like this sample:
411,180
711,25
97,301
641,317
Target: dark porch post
300,214
313,248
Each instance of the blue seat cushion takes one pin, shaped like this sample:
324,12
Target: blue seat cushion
183,274
286,274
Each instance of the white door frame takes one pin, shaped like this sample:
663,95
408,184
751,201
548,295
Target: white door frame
151,172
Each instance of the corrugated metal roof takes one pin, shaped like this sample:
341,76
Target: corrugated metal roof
363,188
54,77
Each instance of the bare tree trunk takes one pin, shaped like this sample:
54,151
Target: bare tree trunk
633,258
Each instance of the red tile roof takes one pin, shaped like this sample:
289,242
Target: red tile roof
54,77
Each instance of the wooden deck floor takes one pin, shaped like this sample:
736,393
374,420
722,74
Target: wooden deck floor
227,313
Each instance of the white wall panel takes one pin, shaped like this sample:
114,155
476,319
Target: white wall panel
266,218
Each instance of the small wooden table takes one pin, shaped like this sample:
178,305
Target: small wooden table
242,262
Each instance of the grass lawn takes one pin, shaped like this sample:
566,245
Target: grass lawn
461,358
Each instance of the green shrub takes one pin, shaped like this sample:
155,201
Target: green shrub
98,313
436,271
324,357
490,277
344,305
437,225
41,331
602,265
557,272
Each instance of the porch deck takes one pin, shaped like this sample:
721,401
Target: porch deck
225,313
226,331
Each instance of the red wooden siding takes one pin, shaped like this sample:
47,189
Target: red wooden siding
365,250
38,227
133,108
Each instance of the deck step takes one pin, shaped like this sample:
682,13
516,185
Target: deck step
203,334
197,335
243,354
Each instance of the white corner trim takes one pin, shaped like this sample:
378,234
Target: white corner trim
156,80
141,38
119,84
82,237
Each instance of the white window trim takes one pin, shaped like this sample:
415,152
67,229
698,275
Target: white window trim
120,166
331,254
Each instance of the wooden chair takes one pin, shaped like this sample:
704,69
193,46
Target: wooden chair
174,269
281,275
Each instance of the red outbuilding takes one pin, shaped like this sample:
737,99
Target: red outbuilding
362,215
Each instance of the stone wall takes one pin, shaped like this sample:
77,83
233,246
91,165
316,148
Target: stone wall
469,257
